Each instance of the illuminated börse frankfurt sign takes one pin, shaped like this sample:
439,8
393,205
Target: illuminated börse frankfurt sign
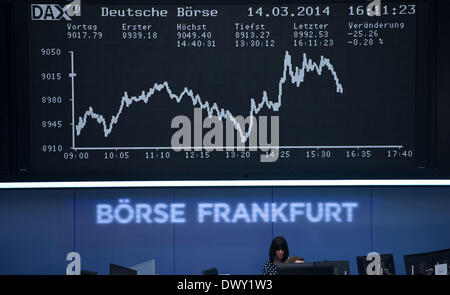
285,212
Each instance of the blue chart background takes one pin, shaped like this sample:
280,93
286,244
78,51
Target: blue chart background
39,227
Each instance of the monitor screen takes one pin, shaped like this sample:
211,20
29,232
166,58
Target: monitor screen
342,267
219,91
120,270
305,269
387,264
424,263
442,257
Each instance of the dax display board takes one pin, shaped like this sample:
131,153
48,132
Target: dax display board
224,90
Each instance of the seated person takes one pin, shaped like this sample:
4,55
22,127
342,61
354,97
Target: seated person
278,253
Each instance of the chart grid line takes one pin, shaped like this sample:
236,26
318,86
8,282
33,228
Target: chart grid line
243,147
72,76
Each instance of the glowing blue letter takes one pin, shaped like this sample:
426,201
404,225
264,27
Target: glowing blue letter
175,212
349,207
241,212
104,215
159,210
203,211
278,212
294,210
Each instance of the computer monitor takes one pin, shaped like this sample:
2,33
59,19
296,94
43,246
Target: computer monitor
342,267
423,263
121,270
145,268
210,271
387,264
85,272
305,269
442,257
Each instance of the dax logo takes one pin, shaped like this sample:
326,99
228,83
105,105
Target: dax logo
55,11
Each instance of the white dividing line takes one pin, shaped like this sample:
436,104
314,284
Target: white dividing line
225,183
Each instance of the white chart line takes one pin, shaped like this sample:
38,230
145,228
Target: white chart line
291,74
241,147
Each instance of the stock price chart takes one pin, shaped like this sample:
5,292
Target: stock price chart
235,91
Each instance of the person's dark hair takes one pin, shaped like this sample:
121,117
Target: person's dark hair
277,244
